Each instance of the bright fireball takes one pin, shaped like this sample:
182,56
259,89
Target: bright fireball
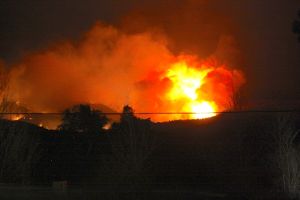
186,88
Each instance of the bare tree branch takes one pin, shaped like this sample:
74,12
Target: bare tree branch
286,156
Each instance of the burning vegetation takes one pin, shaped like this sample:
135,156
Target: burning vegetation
198,90
114,68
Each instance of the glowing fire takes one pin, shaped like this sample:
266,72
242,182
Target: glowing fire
189,89
15,117
204,109
107,126
187,82
112,68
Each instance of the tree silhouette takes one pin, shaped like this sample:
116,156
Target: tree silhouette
296,26
20,150
287,158
3,88
82,118
127,114
132,143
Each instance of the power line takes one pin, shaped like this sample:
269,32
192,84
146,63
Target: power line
159,113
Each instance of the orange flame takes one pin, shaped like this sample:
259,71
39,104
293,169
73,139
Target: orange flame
112,68
14,117
186,83
190,89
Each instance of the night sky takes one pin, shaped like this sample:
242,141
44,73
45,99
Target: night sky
262,29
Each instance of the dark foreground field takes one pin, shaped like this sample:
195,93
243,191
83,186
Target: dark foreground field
78,193
83,193
227,157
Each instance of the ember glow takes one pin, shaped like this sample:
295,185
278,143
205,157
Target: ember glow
15,117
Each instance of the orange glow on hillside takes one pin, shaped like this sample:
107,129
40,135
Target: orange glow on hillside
15,117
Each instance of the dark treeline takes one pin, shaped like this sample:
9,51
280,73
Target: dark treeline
232,153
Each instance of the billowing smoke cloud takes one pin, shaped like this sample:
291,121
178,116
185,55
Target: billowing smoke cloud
102,68
106,67
129,63
193,26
